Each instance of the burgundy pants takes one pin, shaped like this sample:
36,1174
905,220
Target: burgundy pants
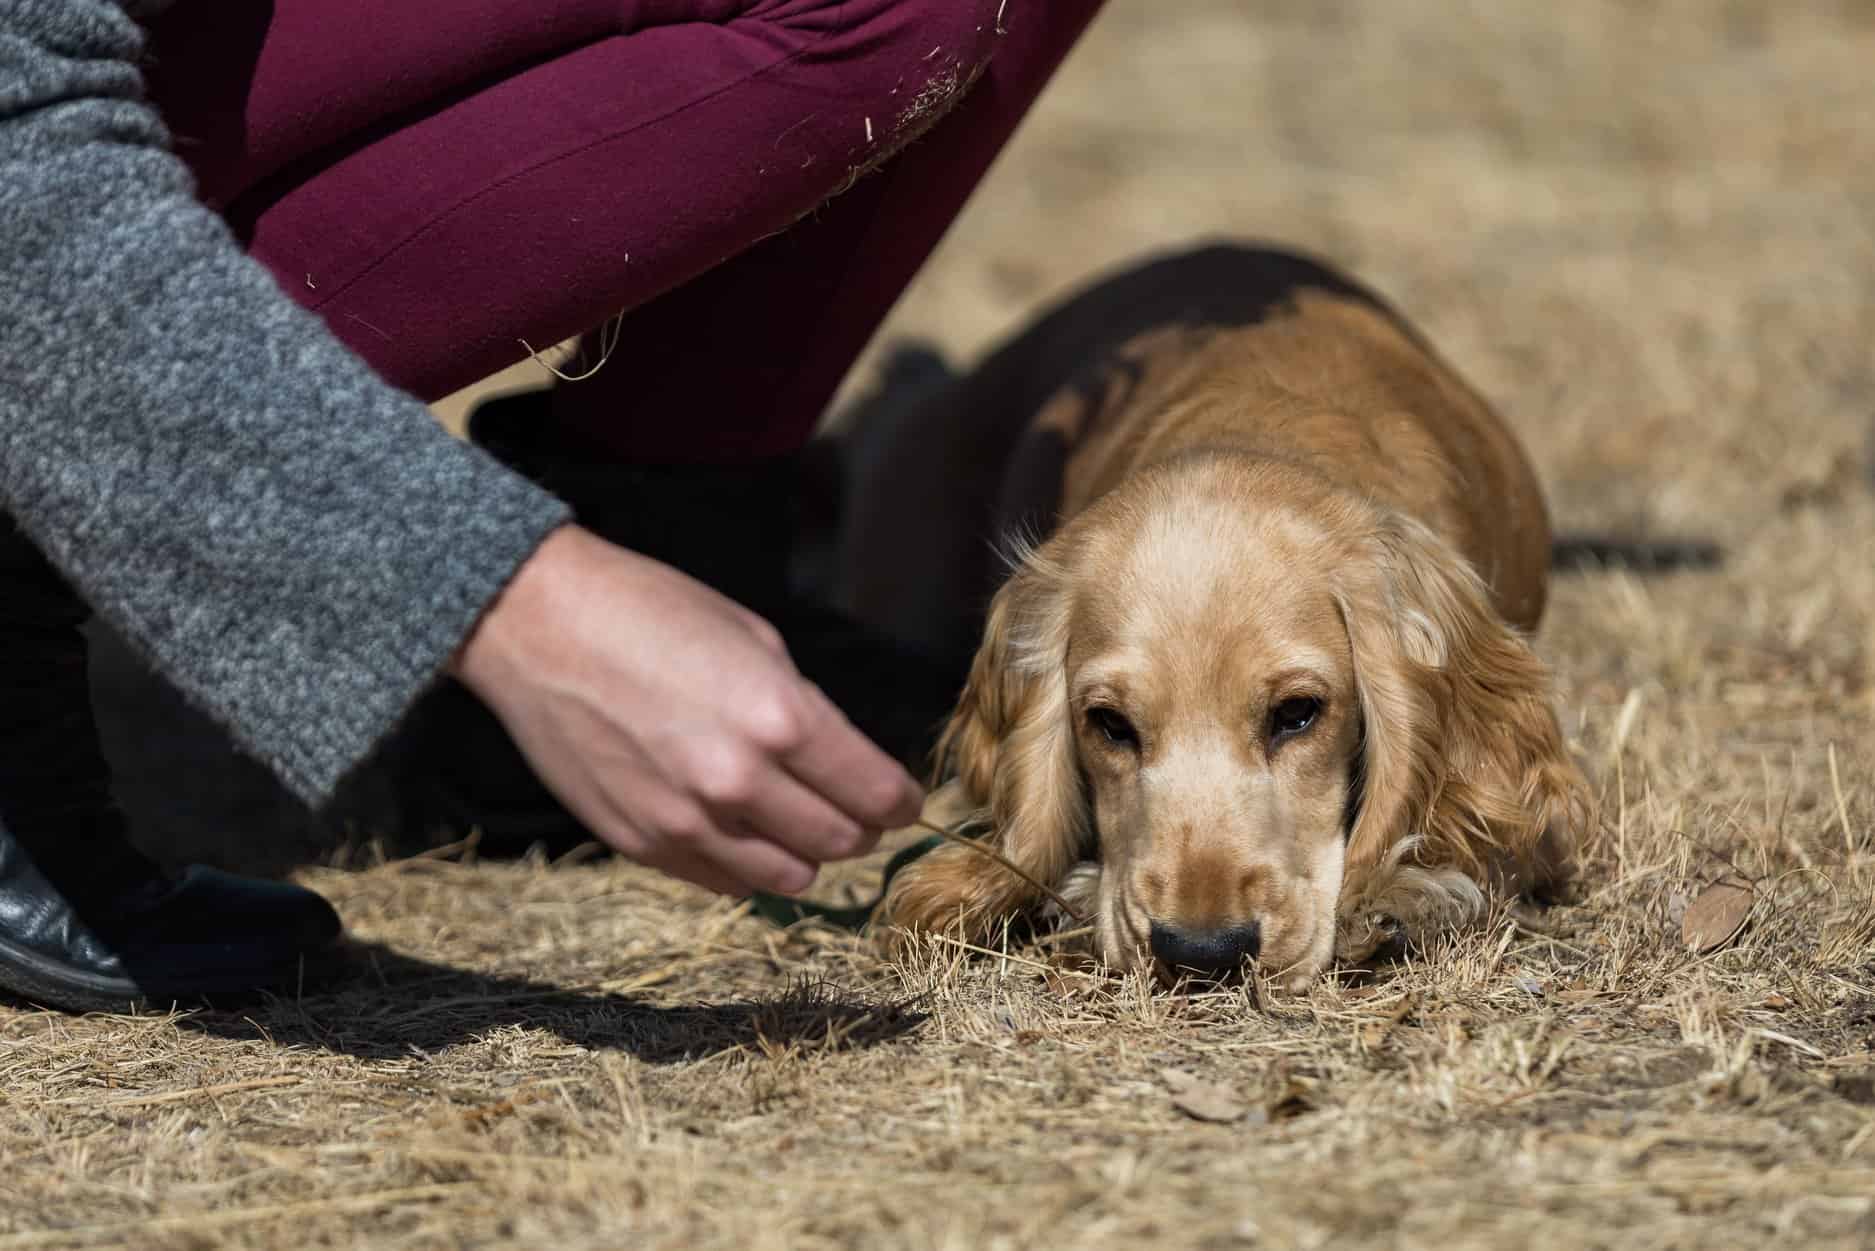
751,182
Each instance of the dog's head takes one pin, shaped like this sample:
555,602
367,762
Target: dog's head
1278,719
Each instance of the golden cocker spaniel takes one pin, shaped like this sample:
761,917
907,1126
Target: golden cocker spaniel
1259,688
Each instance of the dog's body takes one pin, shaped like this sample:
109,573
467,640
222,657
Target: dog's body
1266,671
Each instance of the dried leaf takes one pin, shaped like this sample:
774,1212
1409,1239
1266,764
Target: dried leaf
1069,982
1203,1101
1374,1036
1716,916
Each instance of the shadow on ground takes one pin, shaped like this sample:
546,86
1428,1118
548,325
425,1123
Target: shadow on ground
386,1005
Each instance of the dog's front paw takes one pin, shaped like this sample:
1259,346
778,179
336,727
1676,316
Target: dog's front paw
1079,888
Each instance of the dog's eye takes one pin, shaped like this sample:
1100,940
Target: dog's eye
1113,727
1293,716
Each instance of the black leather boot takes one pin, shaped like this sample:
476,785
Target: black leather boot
87,922
732,528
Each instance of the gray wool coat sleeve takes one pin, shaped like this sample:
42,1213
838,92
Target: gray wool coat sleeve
298,546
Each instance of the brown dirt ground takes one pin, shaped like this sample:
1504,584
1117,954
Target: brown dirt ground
1643,228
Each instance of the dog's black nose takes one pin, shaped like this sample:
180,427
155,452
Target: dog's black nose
1212,953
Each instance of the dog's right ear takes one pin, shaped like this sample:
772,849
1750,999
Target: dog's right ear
1009,748
1469,789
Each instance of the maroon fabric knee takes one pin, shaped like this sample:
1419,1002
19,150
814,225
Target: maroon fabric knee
443,181
741,362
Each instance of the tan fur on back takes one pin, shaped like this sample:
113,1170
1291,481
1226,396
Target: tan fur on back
1337,387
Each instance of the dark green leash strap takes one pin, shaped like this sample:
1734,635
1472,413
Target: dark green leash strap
784,910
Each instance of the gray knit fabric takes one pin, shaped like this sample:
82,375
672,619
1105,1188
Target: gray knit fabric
294,543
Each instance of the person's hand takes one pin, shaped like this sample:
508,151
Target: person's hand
672,723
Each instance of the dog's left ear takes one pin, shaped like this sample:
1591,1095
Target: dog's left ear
1466,788
1009,756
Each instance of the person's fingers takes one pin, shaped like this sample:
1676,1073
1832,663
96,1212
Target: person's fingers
696,870
765,632
746,790
665,842
832,758
685,839
785,811
760,862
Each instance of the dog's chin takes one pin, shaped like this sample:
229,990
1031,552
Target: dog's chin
1293,978
1300,971
1298,975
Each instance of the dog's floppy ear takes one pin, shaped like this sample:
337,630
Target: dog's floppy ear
1466,788
1009,747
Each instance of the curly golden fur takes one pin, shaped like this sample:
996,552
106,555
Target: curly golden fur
1264,688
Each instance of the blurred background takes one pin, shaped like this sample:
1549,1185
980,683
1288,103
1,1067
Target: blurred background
1643,229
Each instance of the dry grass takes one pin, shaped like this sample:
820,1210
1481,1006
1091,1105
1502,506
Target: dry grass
1644,230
